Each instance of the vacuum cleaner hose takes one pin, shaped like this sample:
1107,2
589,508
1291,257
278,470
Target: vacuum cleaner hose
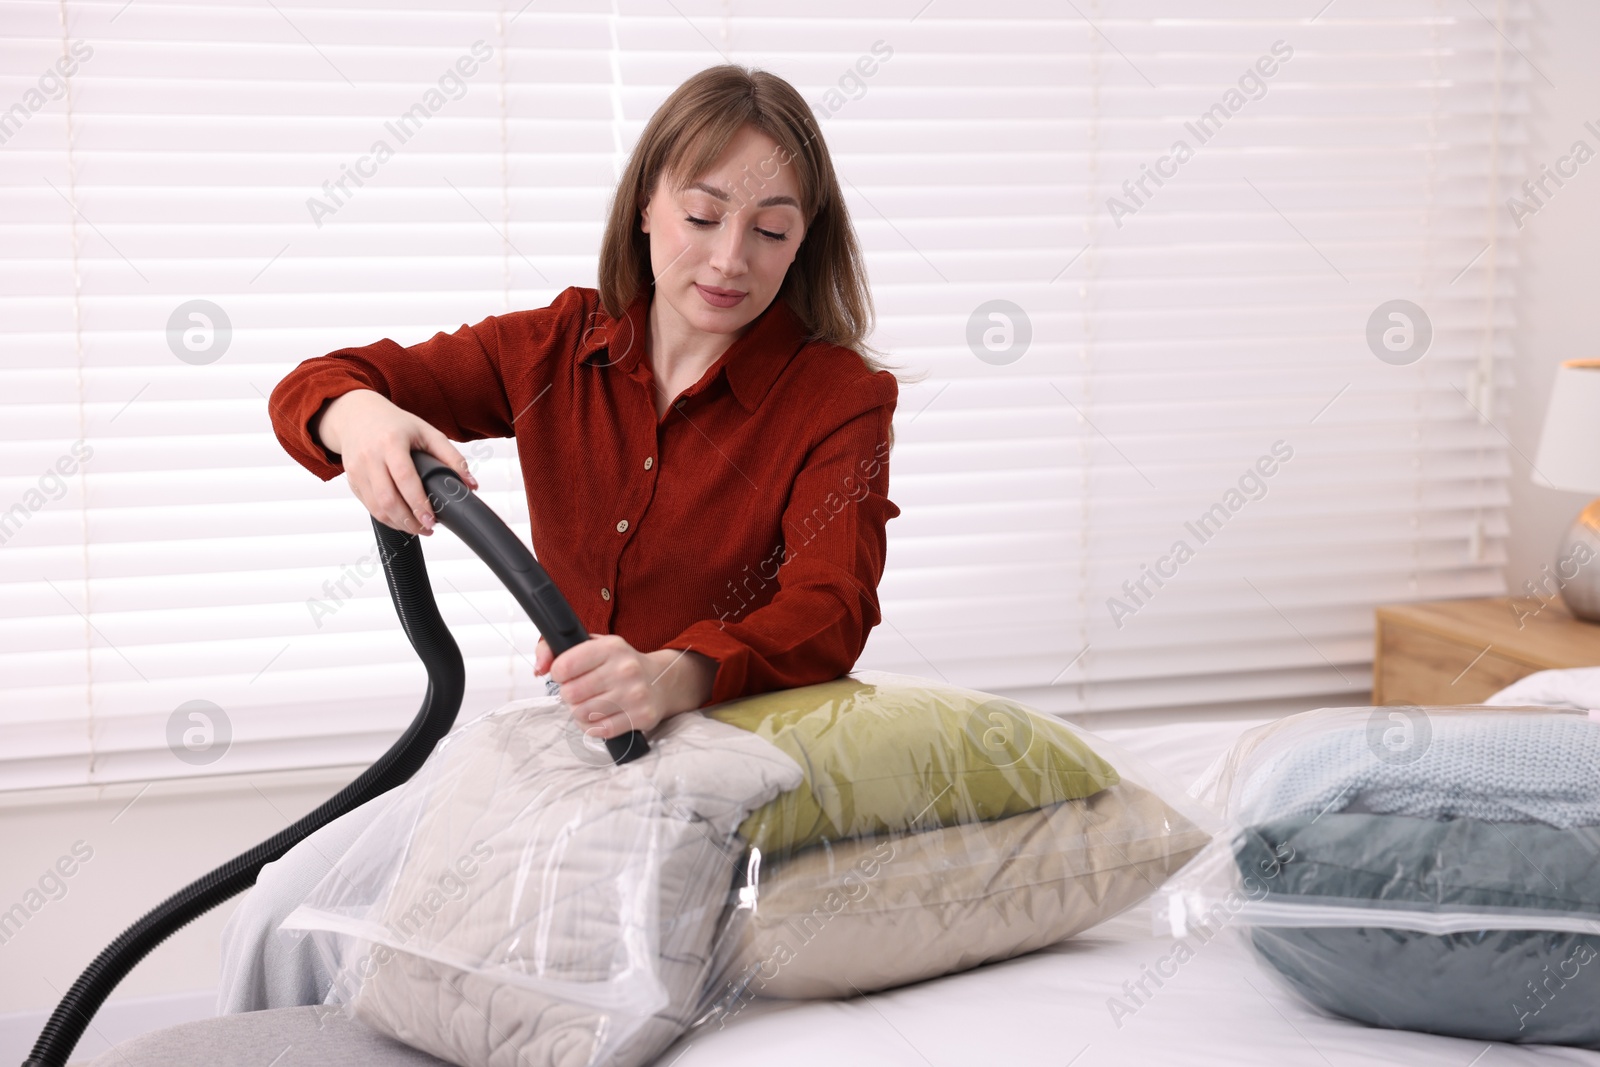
407,576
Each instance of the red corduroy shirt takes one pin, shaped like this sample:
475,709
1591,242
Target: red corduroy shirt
747,524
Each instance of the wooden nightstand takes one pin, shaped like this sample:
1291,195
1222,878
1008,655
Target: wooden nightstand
1461,651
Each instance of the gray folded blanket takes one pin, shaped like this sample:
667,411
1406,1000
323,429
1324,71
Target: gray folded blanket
1526,986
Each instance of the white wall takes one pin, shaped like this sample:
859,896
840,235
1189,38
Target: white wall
1559,249
143,846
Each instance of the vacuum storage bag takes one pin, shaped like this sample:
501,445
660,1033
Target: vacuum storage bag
938,828
1433,869
523,902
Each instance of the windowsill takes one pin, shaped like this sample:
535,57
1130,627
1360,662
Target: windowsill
211,784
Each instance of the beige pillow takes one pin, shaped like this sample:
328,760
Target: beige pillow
876,912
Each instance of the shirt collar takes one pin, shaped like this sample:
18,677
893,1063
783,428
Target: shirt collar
751,364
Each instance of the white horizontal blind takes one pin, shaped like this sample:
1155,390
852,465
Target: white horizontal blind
187,559
1182,331
190,560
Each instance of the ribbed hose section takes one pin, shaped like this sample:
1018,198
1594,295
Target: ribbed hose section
407,575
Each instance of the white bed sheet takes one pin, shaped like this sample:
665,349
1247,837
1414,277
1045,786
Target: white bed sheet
1053,1008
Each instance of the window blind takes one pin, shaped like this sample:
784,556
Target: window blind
217,191
1087,526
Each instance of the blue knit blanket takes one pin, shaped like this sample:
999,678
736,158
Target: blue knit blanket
1523,767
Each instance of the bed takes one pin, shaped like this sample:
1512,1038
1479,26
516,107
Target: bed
1090,1001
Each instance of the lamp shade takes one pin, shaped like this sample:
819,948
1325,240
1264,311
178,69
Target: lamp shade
1569,449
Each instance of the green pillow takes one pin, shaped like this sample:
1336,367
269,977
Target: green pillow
907,755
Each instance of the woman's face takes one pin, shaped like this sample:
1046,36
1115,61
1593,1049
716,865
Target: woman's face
721,247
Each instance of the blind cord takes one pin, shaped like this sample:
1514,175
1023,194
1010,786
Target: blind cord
83,417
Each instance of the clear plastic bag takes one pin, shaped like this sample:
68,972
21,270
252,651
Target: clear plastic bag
939,828
523,901
1433,869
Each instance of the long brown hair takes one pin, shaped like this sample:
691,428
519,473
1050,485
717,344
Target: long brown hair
826,286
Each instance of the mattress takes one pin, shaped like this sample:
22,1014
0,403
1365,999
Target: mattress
1115,996
1050,1009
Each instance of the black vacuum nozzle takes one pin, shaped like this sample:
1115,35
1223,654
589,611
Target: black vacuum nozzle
470,519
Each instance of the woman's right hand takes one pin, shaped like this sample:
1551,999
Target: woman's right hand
375,440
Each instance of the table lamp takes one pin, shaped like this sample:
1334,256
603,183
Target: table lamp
1569,458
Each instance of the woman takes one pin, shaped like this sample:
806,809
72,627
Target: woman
704,454
705,448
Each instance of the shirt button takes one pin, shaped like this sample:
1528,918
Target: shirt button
649,461
605,594
622,527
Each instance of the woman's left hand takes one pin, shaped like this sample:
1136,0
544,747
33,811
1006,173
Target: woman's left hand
612,687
